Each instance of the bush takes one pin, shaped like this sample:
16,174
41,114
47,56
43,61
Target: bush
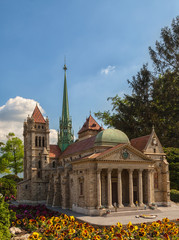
174,195
5,218
8,187
13,177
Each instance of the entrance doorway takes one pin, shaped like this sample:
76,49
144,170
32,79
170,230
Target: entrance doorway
114,193
135,196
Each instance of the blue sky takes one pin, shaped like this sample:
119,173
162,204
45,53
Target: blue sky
105,43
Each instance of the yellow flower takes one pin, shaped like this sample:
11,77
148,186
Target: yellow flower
155,233
131,228
56,219
136,228
129,224
175,231
71,231
85,233
97,237
18,221
57,226
13,224
35,235
165,220
155,224
119,225
143,225
72,218
141,233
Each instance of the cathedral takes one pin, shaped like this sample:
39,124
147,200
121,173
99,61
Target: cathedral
101,170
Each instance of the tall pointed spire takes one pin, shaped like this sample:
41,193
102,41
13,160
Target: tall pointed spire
65,136
65,107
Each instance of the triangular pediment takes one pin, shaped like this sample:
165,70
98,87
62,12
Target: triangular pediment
153,145
124,152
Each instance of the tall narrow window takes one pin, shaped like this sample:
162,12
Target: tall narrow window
81,188
36,141
39,141
39,174
39,164
53,164
43,142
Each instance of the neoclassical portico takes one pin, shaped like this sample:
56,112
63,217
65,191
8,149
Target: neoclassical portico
111,174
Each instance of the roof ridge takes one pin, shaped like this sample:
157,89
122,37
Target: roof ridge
141,137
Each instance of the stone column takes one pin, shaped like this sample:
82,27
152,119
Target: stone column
98,188
149,187
140,187
131,201
152,185
119,188
109,189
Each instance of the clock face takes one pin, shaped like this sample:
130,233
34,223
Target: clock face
125,154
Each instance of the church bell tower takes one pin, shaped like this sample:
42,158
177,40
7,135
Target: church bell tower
65,135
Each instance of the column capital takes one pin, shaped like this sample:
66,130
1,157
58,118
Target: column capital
109,170
140,170
99,170
119,170
130,170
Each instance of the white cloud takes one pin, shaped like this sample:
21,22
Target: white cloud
108,70
53,136
13,114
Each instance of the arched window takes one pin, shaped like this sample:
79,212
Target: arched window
39,141
81,188
39,164
39,174
36,141
43,142
53,164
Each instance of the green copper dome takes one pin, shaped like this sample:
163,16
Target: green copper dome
111,137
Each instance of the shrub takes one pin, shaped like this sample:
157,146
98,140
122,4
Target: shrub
5,218
174,195
8,187
13,177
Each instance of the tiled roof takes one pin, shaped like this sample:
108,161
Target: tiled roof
55,151
79,146
95,155
37,115
140,142
90,124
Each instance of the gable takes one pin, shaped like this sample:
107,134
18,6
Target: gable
124,152
153,145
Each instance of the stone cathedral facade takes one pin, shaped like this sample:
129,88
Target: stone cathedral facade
102,168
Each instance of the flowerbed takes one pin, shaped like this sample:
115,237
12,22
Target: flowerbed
45,224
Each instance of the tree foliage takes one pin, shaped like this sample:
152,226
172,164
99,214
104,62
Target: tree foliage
155,94
173,159
12,154
165,57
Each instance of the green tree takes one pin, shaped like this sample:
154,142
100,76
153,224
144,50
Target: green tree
173,159
165,108
12,152
3,161
165,57
154,98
